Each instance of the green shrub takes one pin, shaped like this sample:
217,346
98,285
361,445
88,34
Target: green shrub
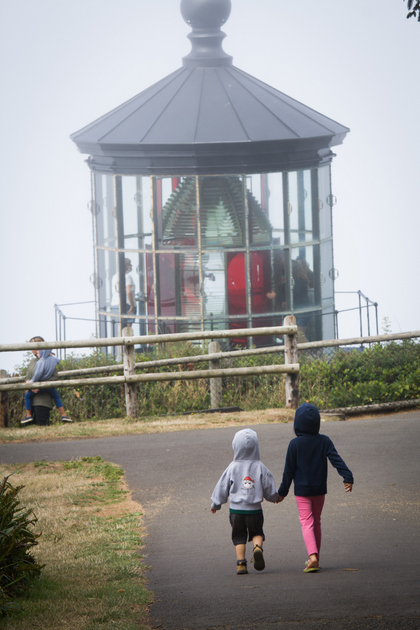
379,374
17,567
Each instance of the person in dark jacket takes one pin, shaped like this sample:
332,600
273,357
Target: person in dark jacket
307,465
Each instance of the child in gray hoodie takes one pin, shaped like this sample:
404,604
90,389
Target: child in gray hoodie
246,482
44,370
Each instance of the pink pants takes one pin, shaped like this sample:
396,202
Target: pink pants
310,509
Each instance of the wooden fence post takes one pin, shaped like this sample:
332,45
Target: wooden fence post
216,396
131,398
4,405
291,356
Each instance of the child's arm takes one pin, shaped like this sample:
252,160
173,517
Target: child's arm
289,471
348,487
269,486
340,465
221,492
37,377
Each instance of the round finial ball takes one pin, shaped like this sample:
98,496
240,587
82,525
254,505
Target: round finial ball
205,13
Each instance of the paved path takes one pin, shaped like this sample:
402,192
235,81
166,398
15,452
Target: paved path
370,558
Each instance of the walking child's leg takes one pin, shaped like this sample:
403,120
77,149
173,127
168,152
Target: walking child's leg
306,518
255,523
310,509
240,552
317,505
239,536
258,557
28,403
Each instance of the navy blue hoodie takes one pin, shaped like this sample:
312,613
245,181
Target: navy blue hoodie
307,457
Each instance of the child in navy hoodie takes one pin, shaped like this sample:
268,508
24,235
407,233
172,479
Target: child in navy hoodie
306,464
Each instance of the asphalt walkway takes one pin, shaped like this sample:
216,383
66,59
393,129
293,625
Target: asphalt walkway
370,555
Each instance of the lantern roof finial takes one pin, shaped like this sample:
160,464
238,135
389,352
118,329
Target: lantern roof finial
206,17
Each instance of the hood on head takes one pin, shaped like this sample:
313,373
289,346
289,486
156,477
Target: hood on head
245,445
307,420
44,354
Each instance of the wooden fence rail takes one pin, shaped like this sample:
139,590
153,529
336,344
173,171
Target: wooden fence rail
130,379
143,365
159,376
328,343
152,339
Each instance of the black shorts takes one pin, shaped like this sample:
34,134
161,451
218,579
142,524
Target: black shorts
246,526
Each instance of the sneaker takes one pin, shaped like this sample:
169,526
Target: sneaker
27,420
66,419
258,558
241,567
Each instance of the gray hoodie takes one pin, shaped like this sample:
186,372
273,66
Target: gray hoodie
246,481
45,367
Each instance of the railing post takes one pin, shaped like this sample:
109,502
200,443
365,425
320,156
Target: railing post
216,395
131,398
291,356
4,404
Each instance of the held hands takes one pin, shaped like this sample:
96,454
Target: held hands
348,487
280,499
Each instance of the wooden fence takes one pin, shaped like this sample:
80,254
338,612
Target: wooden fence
214,373
131,379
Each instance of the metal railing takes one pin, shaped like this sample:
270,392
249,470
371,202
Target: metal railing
360,308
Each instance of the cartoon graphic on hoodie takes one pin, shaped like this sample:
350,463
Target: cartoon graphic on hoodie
246,482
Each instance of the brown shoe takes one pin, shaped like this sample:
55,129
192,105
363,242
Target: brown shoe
241,567
259,563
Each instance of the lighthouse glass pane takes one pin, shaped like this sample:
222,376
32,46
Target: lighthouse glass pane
273,205
214,290
167,289
300,206
222,212
293,207
189,298
104,209
327,273
324,202
137,223
303,277
176,212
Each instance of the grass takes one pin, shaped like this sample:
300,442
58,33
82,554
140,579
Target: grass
91,545
127,426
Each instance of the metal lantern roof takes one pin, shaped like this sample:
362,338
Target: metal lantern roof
208,117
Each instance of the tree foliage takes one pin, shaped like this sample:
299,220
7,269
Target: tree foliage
413,7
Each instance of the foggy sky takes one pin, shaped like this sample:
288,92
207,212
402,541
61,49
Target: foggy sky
65,63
